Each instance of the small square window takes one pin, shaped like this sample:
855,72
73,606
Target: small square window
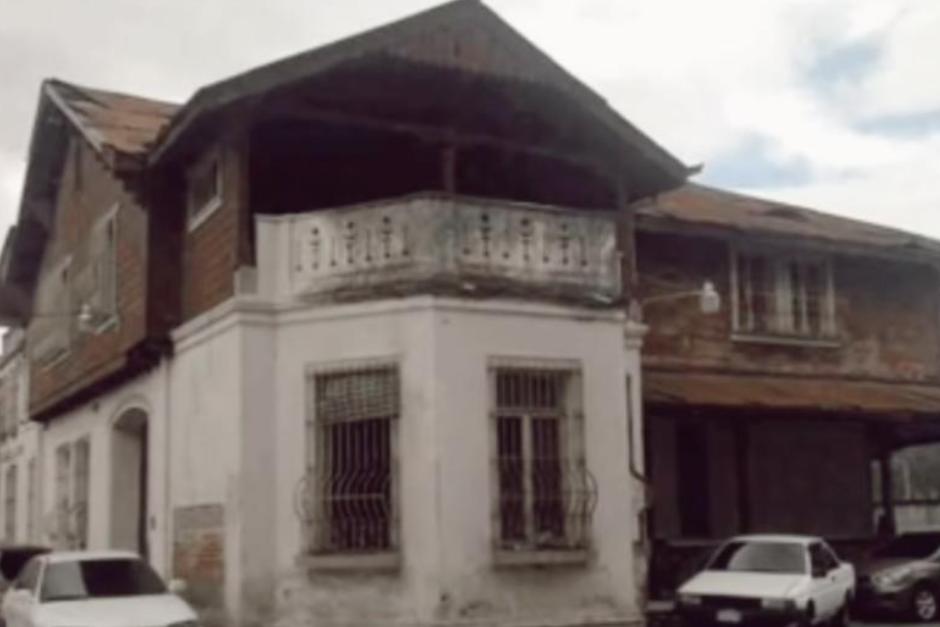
205,190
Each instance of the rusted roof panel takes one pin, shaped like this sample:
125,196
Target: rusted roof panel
127,124
790,393
703,206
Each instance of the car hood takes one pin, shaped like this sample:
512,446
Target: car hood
161,609
749,585
880,565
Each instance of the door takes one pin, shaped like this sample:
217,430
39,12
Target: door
827,588
129,479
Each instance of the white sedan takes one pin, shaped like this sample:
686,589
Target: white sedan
94,589
778,579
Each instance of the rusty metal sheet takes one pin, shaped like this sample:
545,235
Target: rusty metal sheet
790,393
695,204
127,124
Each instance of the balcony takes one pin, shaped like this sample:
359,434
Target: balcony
441,243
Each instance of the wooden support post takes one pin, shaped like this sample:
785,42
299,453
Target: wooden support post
449,168
743,470
626,241
888,523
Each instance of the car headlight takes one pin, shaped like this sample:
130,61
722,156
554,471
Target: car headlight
777,604
893,578
690,599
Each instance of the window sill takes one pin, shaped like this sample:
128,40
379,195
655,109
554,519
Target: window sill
109,324
353,562
49,360
506,558
786,340
203,214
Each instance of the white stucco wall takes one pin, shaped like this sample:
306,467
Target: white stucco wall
205,431
19,450
466,337
95,420
227,429
238,433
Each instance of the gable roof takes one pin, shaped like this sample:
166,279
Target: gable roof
110,120
695,205
429,37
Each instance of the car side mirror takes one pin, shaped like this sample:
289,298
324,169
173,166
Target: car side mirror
177,586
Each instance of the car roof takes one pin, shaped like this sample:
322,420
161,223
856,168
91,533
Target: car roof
89,556
16,548
777,537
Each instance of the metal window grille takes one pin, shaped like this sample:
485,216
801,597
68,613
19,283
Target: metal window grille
10,505
349,503
546,495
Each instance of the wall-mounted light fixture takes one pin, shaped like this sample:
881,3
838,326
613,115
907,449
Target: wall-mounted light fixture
709,300
86,317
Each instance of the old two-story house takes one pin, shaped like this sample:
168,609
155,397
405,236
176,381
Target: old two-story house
772,414
342,338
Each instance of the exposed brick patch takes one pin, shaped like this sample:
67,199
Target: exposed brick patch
199,553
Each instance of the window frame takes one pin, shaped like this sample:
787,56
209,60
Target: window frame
779,260
105,228
60,313
572,452
197,215
10,504
315,556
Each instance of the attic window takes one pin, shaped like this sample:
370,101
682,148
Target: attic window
205,190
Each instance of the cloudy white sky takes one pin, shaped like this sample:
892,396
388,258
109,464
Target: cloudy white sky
830,103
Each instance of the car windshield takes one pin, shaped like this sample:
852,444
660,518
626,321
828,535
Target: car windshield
910,547
760,557
92,579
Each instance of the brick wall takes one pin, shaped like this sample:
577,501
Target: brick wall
88,191
213,250
886,316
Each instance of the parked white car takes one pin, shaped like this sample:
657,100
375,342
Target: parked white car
770,579
93,589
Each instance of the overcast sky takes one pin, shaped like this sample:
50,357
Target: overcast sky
830,103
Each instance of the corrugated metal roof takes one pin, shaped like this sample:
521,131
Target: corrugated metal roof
703,206
125,123
775,392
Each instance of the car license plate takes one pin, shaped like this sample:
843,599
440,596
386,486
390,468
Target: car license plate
728,616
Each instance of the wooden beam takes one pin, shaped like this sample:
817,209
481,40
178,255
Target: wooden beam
887,524
449,167
437,135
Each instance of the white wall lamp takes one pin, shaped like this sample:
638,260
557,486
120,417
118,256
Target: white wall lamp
86,317
709,300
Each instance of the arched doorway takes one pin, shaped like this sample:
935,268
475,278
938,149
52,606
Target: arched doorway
129,481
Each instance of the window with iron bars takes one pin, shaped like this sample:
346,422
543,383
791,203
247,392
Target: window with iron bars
350,502
546,495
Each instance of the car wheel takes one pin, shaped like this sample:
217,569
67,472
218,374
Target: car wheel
924,603
841,619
